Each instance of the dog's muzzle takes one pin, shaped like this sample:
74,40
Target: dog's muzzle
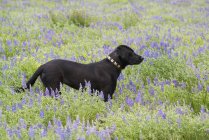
114,62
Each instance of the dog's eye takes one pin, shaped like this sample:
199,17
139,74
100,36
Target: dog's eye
130,54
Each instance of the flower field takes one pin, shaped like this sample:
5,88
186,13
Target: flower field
164,98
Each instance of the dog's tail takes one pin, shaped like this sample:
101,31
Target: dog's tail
31,81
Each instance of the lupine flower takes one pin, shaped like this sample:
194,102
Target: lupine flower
31,132
42,113
9,43
24,82
18,133
175,82
14,108
129,101
49,125
179,111
101,95
202,110
8,108
22,123
139,98
151,91
46,92
162,114
162,86
43,133
156,81
10,133
179,122
148,81
31,102
200,87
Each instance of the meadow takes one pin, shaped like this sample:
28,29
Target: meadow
164,98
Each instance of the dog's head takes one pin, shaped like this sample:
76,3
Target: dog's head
124,55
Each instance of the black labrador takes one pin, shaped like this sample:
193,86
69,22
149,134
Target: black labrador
102,75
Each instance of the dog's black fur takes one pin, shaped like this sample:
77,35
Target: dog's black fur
102,75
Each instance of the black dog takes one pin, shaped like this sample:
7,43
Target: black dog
102,75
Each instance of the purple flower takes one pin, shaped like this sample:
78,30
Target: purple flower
23,101
162,114
208,89
129,101
155,81
24,82
8,108
46,92
62,102
200,87
146,53
31,132
9,43
22,123
151,91
49,125
43,133
139,98
148,81
10,133
179,111
179,122
162,86
42,113
202,110
31,103
175,82
14,108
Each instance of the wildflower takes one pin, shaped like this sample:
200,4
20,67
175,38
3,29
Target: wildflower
31,103
49,125
8,108
10,133
148,81
139,98
200,87
18,133
46,92
162,86
175,82
101,95
179,122
43,133
129,101
14,108
31,132
155,81
151,91
202,110
179,111
42,113
24,82
162,114
9,43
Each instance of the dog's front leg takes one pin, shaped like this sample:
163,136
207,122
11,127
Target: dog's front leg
107,91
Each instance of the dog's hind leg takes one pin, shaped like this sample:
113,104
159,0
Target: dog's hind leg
52,83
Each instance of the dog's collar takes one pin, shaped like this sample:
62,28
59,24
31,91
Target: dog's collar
114,62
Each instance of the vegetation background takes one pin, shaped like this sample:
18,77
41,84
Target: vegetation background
166,97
